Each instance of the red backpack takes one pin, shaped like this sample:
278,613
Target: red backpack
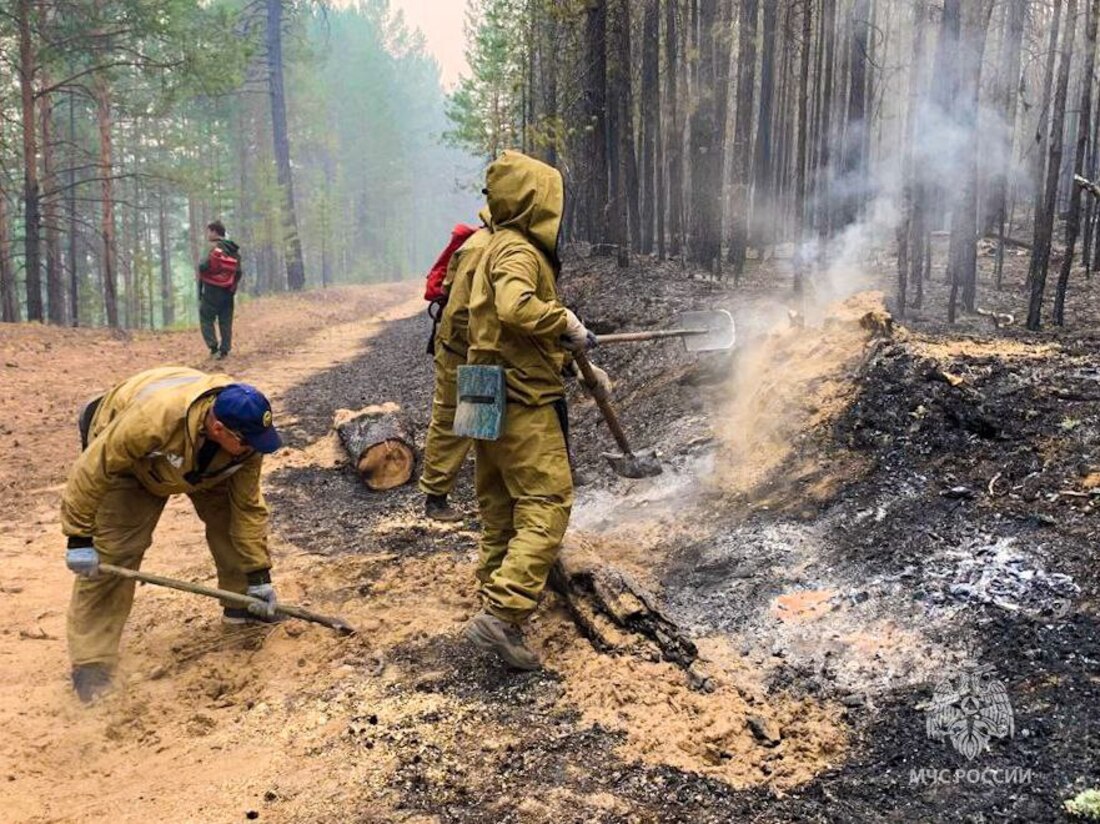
433,287
222,270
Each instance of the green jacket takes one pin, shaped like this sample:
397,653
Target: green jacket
516,320
150,427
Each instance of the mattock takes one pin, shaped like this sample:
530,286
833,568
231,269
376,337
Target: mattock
235,598
629,464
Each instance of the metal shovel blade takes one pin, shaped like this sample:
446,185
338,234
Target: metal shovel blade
641,464
712,330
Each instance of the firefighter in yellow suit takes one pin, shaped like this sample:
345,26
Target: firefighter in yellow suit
524,481
163,432
444,451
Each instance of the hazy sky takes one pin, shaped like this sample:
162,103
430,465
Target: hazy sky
441,22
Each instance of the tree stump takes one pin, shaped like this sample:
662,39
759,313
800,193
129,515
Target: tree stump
381,443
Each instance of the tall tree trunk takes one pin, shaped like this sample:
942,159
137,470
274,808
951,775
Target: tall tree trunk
803,140
853,168
32,218
9,301
55,283
626,119
1044,228
107,205
596,111
742,137
824,207
71,213
1042,129
651,120
295,269
963,254
616,143
675,134
167,288
763,207
1007,100
910,232
706,158
1084,126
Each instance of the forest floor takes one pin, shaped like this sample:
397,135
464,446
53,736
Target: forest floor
851,510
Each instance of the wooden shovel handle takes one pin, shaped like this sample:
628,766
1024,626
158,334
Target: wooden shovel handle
602,402
235,598
635,337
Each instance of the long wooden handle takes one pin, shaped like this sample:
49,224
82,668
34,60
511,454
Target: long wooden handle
225,595
635,337
603,402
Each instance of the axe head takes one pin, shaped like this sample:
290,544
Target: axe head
641,464
713,330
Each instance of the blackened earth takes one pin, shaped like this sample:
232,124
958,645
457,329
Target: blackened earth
934,450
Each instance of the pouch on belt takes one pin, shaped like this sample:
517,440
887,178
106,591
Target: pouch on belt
481,400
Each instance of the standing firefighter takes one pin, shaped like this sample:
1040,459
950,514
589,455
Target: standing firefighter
167,431
518,326
444,451
218,275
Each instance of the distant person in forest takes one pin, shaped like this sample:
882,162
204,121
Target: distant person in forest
218,274
448,289
518,325
163,432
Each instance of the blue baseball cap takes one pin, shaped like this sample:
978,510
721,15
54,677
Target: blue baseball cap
244,409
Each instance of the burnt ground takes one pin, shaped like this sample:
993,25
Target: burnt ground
967,521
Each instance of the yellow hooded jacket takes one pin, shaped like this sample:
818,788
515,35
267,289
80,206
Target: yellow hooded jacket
148,427
516,320
454,324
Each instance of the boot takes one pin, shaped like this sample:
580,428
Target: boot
494,635
437,509
90,681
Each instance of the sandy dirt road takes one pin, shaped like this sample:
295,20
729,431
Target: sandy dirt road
146,754
293,724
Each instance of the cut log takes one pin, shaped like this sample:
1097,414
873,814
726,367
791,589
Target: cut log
616,613
381,443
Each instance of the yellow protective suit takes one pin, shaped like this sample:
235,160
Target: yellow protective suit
524,482
144,439
444,451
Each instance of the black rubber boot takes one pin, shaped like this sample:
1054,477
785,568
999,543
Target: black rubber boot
437,508
90,681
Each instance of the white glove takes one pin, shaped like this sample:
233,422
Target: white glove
602,381
576,337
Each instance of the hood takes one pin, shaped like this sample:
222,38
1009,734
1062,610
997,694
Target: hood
230,247
527,195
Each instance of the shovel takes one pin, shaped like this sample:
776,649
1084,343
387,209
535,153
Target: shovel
629,464
338,624
705,331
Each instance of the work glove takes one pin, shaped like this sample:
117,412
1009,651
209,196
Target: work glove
576,337
82,558
259,586
602,381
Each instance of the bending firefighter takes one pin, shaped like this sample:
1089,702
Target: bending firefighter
168,431
518,326
444,451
